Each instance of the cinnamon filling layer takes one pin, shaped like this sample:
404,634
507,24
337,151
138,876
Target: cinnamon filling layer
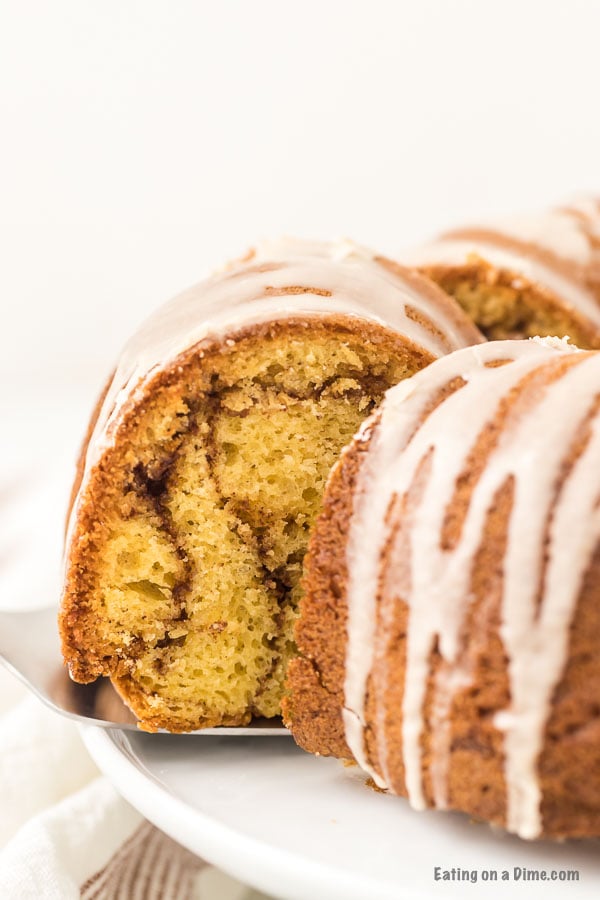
197,584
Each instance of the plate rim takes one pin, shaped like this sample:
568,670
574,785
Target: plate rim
275,871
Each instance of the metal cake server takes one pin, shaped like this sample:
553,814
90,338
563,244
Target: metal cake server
30,648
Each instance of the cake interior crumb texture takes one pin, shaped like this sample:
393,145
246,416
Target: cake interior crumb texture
505,306
186,573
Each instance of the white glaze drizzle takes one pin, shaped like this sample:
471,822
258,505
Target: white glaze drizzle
378,482
557,231
238,296
534,441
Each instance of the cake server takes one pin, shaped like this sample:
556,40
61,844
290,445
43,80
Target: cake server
30,649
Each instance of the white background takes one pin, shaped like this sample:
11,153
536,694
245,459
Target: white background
143,142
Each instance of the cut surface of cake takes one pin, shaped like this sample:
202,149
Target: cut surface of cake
535,275
450,628
205,465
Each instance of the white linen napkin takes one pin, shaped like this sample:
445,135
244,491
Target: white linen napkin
66,833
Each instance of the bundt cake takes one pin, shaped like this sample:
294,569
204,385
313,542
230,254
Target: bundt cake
537,275
204,468
450,628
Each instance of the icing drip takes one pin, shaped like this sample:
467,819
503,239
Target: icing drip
408,445
559,231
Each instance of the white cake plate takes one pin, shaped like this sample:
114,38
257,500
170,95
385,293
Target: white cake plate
304,828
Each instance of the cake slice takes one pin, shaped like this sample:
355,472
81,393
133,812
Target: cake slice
536,275
205,464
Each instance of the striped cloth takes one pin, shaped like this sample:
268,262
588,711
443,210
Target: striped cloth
147,863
